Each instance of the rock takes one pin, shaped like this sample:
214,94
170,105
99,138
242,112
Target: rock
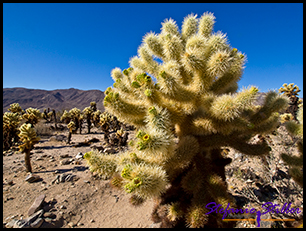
37,204
64,156
65,162
11,223
37,223
32,178
50,215
79,155
34,221
109,150
71,224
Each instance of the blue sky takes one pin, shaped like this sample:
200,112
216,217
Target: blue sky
60,46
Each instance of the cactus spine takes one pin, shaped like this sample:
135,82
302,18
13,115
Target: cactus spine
183,85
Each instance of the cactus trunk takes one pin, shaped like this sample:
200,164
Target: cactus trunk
27,160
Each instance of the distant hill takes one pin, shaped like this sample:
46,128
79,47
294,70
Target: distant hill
55,99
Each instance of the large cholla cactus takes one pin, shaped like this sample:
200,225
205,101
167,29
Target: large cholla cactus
11,121
28,137
296,162
32,116
180,92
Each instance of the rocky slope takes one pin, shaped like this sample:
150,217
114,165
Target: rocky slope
59,99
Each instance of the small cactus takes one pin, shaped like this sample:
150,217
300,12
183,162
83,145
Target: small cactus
71,126
88,116
29,138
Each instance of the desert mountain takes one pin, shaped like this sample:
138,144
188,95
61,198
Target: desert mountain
58,100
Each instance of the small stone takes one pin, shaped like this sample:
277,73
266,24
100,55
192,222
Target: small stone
11,223
63,207
50,215
109,150
37,204
71,224
65,162
32,178
79,155
92,220
64,156
37,223
80,224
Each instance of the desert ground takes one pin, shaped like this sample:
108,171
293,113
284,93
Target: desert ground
75,197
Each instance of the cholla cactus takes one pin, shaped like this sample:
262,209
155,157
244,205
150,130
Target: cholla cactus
66,117
28,137
180,92
96,118
74,115
32,116
15,107
71,126
47,115
11,122
105,124
291,91
88,115
93,106
296,162
77,118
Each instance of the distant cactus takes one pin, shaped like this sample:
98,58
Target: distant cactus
11,121
74,115
96,118
28,137
296,162
88,116
105,124
47,115
291,91
71,126
32,116
15,107
181,94
93,106
66,117
77,118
